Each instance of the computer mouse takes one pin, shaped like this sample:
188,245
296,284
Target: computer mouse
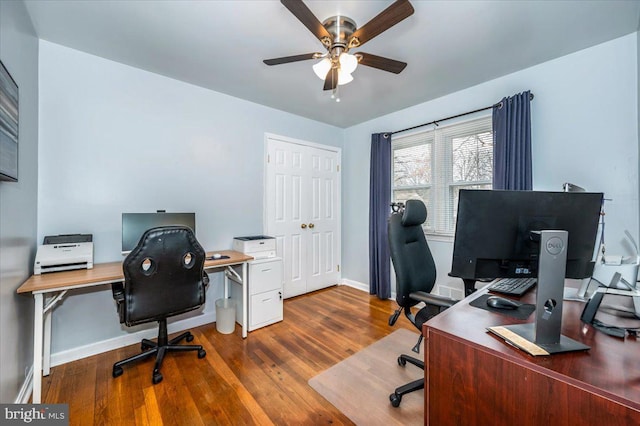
216,255
502,303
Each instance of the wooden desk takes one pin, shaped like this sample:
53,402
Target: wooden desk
49,289
474,378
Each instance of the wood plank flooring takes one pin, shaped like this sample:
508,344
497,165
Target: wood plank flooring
260,380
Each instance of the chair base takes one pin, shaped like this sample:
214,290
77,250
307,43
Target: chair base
396,397
159,349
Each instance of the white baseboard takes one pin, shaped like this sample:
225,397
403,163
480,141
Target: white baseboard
362,286
91,349
355,284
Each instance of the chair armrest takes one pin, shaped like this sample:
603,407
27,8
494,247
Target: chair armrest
432,299
117,290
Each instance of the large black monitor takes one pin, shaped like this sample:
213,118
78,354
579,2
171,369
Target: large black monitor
492,238
135,224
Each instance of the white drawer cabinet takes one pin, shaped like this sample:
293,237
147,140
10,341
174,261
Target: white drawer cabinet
265,308
265,281
265,275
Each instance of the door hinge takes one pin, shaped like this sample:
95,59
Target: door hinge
268,158
338,268
337,167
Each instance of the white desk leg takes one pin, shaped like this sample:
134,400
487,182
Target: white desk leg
226,284
37,347
46,357
245,292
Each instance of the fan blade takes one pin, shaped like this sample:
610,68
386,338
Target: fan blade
304,15
386,19
382,63
287,59
331,82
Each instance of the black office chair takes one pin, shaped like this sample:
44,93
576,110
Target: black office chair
163,277
415,277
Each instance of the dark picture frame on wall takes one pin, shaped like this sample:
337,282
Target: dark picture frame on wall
8,126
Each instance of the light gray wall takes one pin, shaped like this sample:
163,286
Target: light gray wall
117,139
584,131
18,202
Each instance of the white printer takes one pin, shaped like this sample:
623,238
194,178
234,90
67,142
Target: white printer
64,253
257,246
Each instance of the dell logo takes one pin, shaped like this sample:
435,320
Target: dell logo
554,246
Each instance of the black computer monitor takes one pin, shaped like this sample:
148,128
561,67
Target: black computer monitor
492,237
135,224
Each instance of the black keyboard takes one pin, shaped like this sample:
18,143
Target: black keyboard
513,286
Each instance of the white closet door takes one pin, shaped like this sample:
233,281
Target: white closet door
287,175
302,196
323,220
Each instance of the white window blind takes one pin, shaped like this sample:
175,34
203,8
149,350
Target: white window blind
433,166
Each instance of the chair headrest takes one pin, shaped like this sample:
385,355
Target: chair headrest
415,213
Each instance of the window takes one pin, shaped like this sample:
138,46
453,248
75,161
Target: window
435,164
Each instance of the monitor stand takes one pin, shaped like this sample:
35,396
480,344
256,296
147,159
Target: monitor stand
545,331
579,294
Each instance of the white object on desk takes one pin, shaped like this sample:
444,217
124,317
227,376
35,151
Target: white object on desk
607,265
258,247
63,257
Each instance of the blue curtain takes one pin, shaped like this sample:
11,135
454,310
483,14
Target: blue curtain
512,143
379,210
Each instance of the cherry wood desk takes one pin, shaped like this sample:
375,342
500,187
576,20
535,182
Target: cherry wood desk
50,288
475,378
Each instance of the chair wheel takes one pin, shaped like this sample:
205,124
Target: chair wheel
144,346
202,353
395,399
189,337
401,361
117,371
157,378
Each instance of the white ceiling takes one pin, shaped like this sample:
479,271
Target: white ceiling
220,45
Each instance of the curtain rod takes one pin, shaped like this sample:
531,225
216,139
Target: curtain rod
452,117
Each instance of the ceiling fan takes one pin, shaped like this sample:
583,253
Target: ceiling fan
339,34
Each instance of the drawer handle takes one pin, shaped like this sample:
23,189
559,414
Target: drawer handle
266,270
266,300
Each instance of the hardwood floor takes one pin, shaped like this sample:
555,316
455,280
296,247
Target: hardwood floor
261,380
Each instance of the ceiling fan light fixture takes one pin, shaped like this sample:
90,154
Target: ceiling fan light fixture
344,77
348,62
338,34
322,68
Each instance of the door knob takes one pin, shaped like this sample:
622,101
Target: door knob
311,225
304,225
